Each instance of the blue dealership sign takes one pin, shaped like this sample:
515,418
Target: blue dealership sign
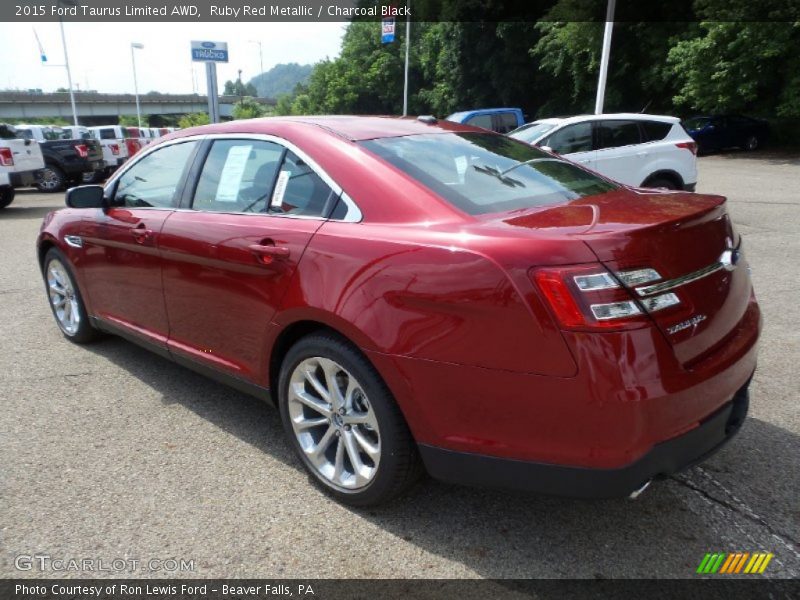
387,30
209,51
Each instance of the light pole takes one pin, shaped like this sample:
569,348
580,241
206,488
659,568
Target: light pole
260,54
66,63
136,46
601,83
405,69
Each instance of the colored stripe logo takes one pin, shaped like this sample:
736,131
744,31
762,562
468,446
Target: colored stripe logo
729,563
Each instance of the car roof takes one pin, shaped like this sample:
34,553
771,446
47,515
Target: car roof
477,111
349,127
607,116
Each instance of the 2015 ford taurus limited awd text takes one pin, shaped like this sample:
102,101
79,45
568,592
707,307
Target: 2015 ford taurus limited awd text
420,296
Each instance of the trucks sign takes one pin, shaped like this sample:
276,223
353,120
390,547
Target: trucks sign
210,51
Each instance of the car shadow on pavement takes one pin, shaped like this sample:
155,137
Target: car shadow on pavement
13,212
742,499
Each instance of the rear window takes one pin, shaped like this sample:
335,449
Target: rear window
655,130
484,121
507,122
483,173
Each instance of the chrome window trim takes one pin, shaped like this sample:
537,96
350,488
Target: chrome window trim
353,214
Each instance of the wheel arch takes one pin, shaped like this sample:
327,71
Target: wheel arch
669,174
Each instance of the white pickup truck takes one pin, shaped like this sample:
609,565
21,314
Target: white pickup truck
20,162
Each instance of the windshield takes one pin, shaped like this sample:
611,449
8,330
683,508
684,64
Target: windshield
482,173
696,122
531,132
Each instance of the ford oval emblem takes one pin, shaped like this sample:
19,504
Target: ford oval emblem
208,45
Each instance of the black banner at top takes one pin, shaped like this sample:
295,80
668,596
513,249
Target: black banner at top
416,10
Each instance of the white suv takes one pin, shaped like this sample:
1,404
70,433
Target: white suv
634,149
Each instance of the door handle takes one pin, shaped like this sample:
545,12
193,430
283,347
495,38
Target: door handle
141,233
266,252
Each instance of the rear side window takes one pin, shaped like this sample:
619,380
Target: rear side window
614,134
107,134
655,130
507,121
238,176
153,180
299,191
484,121
482,173
570,139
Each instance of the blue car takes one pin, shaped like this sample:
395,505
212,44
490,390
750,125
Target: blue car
501,120
718,132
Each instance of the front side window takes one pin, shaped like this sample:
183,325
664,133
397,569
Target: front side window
614,134
153,181
571,139
238,176
482,173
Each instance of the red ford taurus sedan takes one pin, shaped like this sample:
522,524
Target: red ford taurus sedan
416,295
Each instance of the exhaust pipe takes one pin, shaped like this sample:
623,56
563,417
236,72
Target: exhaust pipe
638,492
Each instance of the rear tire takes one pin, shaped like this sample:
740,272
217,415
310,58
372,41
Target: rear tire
65,299
50,180
661,183
752,143
343,422
6,196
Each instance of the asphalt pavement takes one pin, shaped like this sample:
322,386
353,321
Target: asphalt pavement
112,453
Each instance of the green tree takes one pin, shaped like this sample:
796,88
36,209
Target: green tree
739,67
248,108
193,120
237,88
130,121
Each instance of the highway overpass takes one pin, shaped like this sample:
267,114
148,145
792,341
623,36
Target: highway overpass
100,109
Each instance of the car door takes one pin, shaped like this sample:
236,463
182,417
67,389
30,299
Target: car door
574,142
121,263
228,259
620,154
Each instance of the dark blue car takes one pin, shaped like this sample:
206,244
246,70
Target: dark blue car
717,132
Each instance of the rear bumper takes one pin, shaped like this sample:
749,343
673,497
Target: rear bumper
662,460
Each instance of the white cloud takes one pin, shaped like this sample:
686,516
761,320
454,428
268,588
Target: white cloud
100,54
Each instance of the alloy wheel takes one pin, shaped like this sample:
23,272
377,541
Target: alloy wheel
63,297
334,423
49,180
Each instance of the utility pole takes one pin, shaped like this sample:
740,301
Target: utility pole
136,46
405,74
66,64
601,83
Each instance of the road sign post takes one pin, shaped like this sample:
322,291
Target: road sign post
211,53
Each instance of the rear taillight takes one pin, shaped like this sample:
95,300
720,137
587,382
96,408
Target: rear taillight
83,150
6,157
592,298
114,149
690,146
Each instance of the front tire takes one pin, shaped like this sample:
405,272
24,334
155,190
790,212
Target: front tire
50,180
343,422
661,183
65,299
6,196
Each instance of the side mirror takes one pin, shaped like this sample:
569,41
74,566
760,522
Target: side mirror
86,196
548,149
